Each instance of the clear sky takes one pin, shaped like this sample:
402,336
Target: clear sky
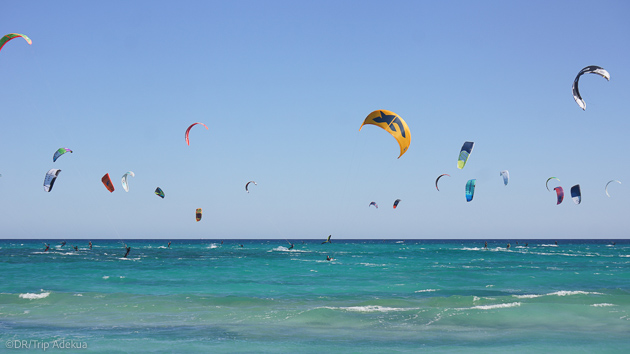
283,87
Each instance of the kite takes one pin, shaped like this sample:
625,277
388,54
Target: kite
159,192
198,214
60,152
50,178
437,179
108,183
560,194
373,203
593,69
470,189
576,194
614,180
549,179
125,184
188,131
396,203
393,124
247,185
328,240
11,36
464,154
506,176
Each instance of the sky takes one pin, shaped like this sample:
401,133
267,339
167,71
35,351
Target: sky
283,87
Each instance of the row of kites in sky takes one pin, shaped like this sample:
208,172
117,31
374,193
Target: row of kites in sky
387,120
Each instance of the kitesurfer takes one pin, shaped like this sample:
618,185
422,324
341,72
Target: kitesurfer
76,248
47,247
128,250
485,245
508,246
90,244
328,258
63,243
291,247
169,244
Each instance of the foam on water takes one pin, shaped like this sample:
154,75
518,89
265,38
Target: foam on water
32,296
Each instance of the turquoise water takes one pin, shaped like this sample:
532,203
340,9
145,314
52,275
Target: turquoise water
375,296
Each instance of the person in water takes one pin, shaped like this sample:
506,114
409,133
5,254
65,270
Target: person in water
291,247
128,250
485,245
90,244
169,244
63,243
508,246
76,248
47,247
328,258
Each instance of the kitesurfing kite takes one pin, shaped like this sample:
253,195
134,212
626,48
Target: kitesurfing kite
549,179
108,183
247,185
437,179
188,131
593,69
393,124
396,203
576,194
60,152
198,214
125,184
11,36
506,176
464,154
50,178
373,203
470,189
614,180
328,240
560,194
159,192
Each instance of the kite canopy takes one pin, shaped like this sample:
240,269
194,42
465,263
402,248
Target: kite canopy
464,154
328,240
549,179
393,124
576,194
593,69
247,185
470,189
614,180
506,176
188,131
198,214
60,152
108,183
396,203
560,194
437,179
11,36
159,192
124,180
373,203
50,178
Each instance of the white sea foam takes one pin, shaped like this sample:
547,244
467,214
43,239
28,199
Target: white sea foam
32,296
603,305
370,308
373,265
530,296
78,294
492,307
105,276
425,291
577,292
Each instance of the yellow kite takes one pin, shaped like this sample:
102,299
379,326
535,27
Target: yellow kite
393,124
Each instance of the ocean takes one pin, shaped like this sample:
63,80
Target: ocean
375,296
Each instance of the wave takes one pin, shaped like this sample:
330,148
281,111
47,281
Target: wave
32,296
603,305
492,307
426,290
371,308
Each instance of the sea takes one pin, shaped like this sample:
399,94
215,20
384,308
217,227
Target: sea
262,296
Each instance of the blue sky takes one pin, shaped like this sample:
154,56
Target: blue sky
283,87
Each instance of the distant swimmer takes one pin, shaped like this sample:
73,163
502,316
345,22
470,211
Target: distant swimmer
328,240
47,247
90,244
128,250
169,244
